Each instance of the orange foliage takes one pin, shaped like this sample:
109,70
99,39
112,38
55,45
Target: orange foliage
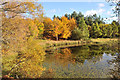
59,28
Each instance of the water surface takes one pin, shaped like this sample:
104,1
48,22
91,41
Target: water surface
91,61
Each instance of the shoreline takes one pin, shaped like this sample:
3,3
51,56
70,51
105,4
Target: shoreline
67,43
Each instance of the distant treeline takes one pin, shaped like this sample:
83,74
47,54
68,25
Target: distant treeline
83,27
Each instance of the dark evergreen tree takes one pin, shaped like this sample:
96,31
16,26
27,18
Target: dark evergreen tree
74,15
54,16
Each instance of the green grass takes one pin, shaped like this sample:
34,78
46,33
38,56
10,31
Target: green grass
52,43
104,40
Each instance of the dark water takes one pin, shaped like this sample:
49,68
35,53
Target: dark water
93,61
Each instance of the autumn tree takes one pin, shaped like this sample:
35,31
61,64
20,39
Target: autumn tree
57,28
68,26
40,27
26,63
13,9
48,28
72,24
13,24
17,32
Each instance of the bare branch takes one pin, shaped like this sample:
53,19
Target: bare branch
4,3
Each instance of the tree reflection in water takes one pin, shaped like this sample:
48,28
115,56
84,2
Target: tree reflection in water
115,71
89,61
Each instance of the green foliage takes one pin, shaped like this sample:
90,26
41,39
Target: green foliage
76,34
115,29
96,31
91,26
82,31
94,19
106,30
74,15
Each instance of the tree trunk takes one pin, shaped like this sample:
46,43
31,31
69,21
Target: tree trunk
119,38
56,37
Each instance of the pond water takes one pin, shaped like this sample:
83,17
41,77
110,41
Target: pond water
87,61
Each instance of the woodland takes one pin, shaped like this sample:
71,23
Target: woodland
24,26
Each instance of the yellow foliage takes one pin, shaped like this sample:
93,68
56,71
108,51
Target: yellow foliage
59,28
22,53
68,26
72,24
27,63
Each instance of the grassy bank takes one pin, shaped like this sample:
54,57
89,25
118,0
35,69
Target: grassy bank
67,43
51,43
104,40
